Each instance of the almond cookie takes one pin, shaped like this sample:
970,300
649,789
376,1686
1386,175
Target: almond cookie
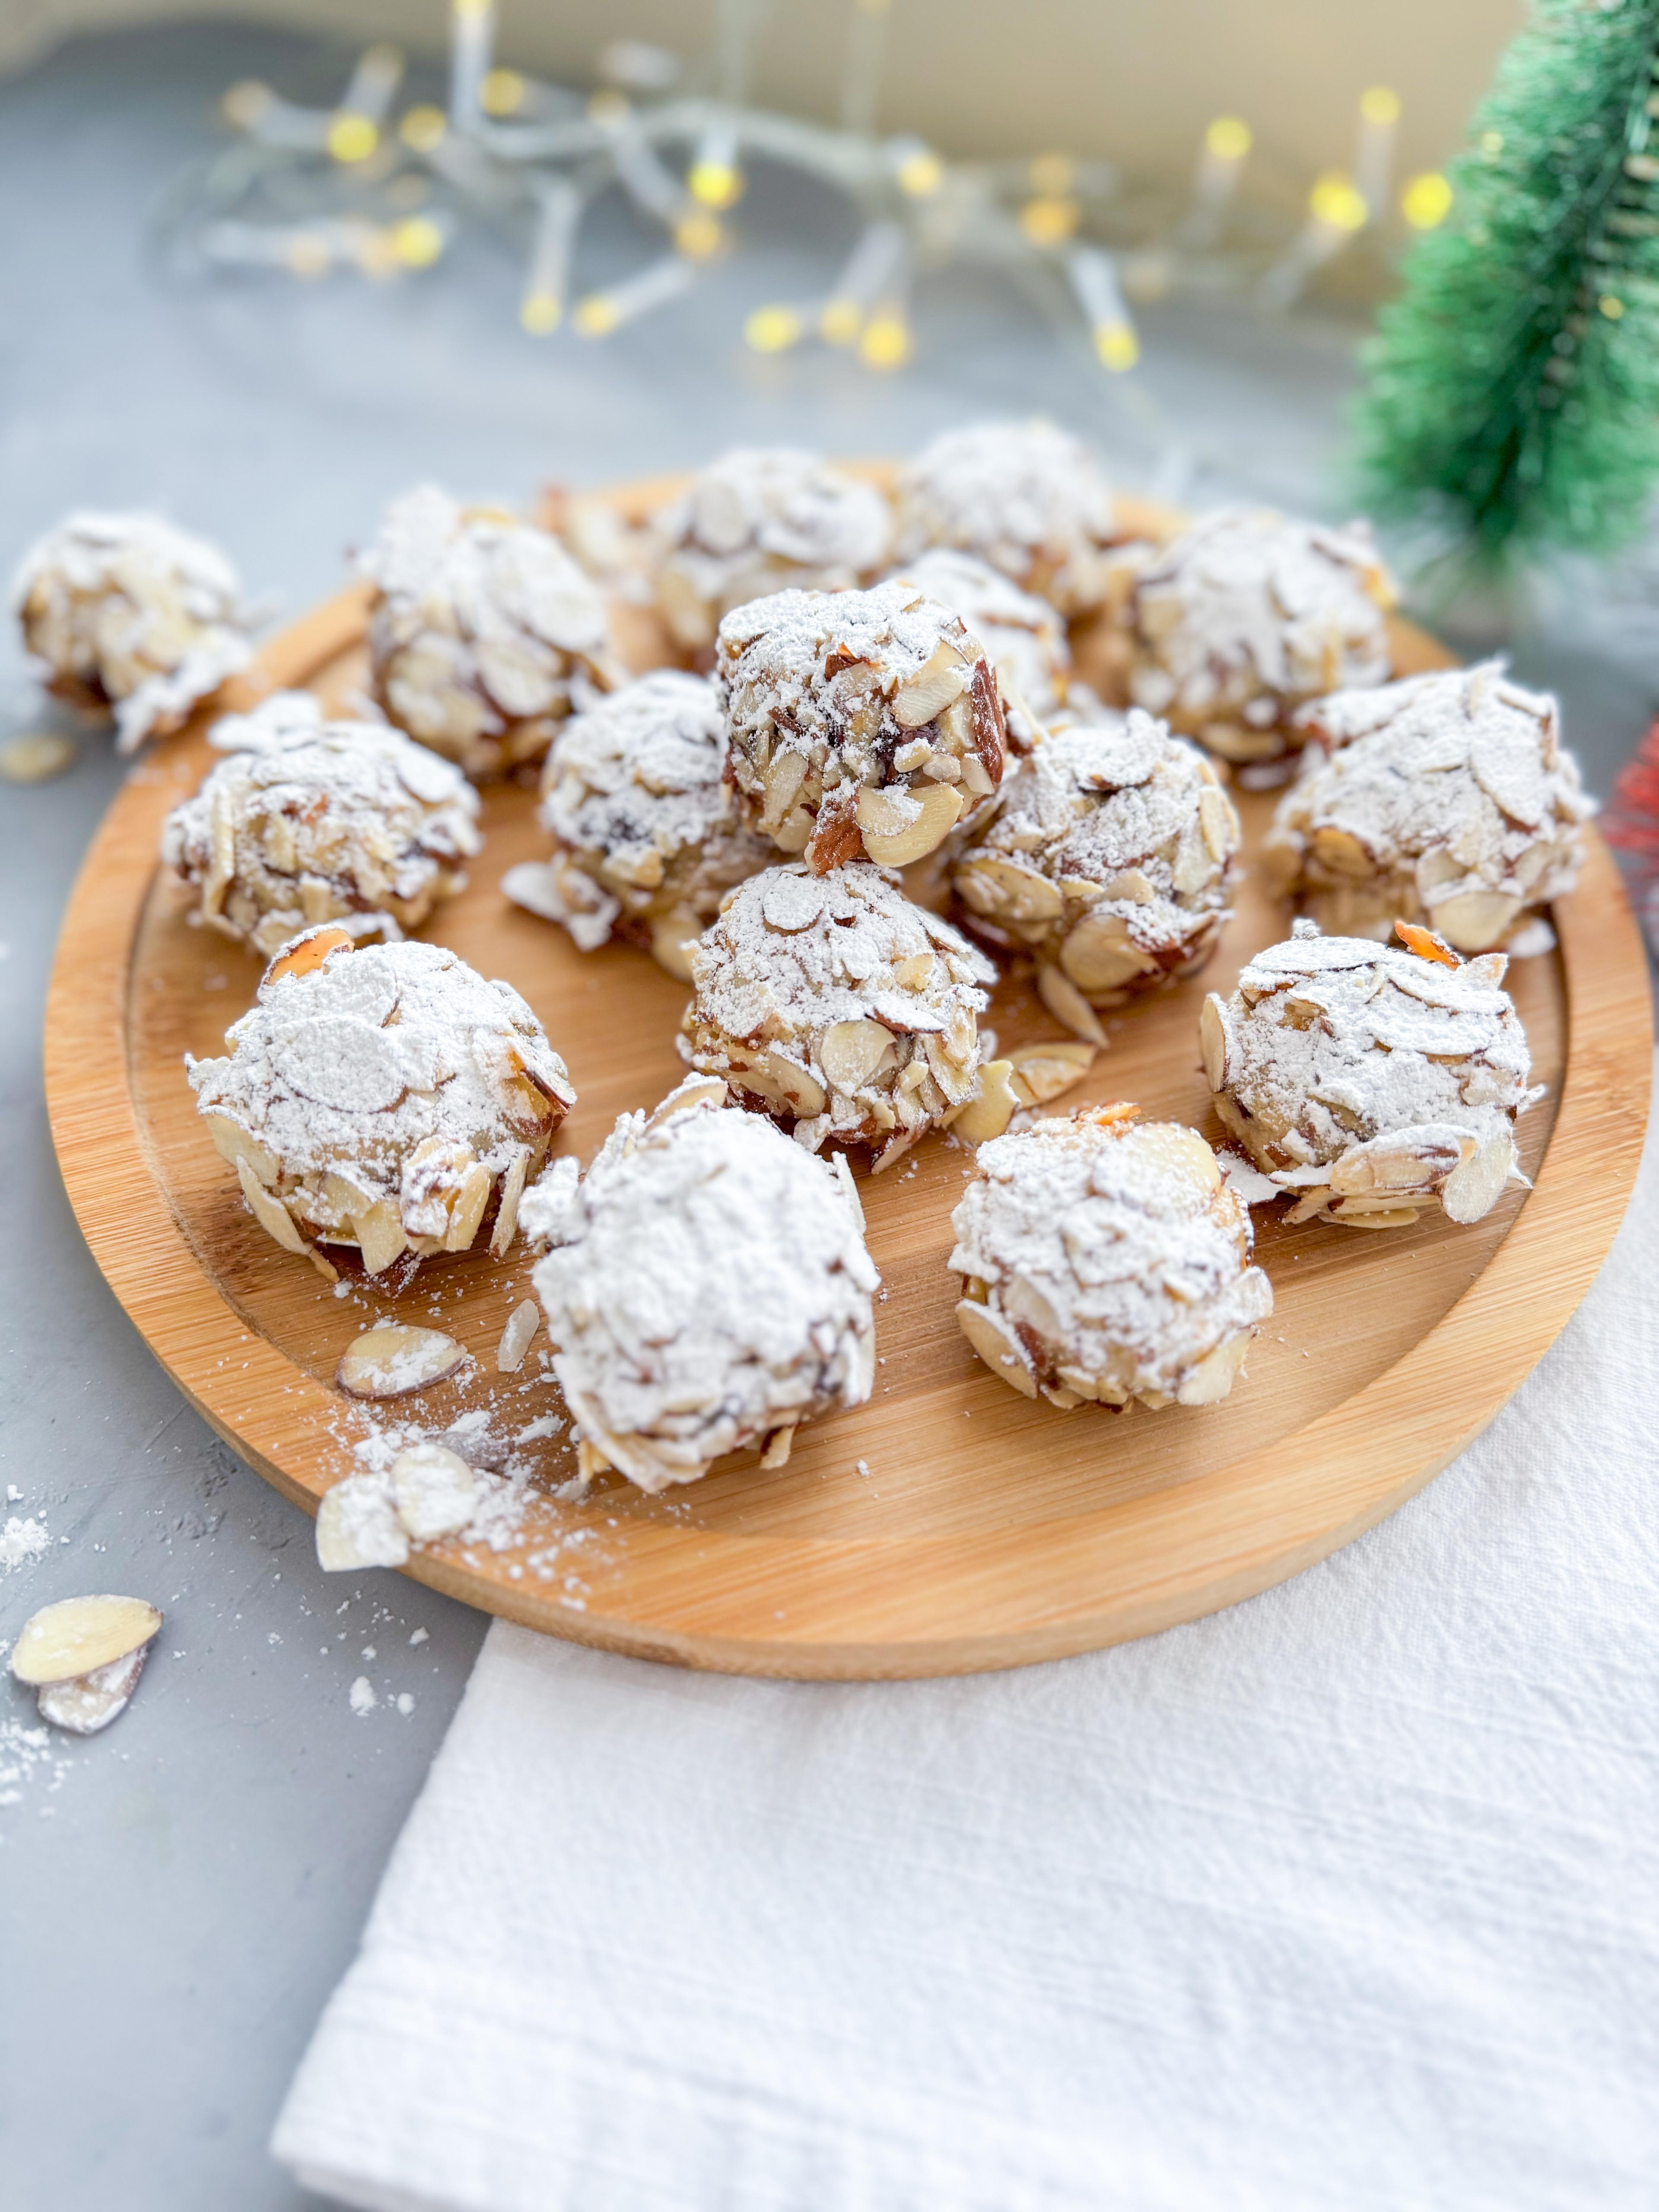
646,836
1105,1258
126,612
1448,798
1372,1082
834,1004
861,723
1110,859
1024,636
1026,497
1247,617
387,1098
484,633
706,1287
309,821
764,518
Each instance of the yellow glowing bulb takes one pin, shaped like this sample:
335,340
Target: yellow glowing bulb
1117,345
773,330
1050,223
1051,176
471,11
501,92
1611,306
841,322
417,242
352,137
698,236
245,103
540,313
1229,138
1427,201
1338,202
1377,104
1491,142
920,175
597,316
716,184
886,341
423,128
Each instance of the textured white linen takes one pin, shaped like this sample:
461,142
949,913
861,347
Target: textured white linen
1348,1897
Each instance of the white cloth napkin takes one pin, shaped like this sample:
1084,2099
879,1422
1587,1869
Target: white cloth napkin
1348,1897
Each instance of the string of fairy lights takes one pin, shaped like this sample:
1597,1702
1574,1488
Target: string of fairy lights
388,191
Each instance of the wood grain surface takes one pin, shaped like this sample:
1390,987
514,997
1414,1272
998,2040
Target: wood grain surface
987,1531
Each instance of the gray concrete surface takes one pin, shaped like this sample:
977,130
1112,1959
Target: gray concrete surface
178,1897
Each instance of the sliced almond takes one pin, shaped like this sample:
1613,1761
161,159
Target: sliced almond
467,1211
1214,1040
1068,1006
1099,955
434,1491
1426,945
844,1175
992,1106
36,758
997,1345
1044,1071
91,1702
271,1215
357,1526
1473,921
941,809
1217,822
393,1361
379,1234
780,1083
233,1144
78,1635
849,1053
991,884
507,1210
1471,1191
671,936
778,1447
521,1326
1215,1374
929,692
889,810
790,900
786,772
302,955
1385,1218
1340,851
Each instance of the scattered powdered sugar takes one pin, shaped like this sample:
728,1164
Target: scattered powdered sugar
1023,636
1026,497
361,1697
1113,1258
837,1002
707,1284
29,1754
309,821
1452,790
131,610
642,817
22,1540
1250,613
758,519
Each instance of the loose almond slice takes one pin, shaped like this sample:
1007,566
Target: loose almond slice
302,955
434,1491
91,1702
1471,1191
1068,1006
36,758
79,1635
1042,1071
997,1345
394,1361
521,1326
357,1526
778,1447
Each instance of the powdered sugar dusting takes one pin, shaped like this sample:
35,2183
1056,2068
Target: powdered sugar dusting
1022,634
1026,497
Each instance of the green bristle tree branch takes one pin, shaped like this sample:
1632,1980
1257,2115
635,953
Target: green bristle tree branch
1512,406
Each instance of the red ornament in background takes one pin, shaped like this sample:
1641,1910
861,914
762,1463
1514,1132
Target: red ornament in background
1630,822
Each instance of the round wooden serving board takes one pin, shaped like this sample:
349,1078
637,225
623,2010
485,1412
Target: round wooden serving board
949,1524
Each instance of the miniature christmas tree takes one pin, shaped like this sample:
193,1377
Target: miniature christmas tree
1513,403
